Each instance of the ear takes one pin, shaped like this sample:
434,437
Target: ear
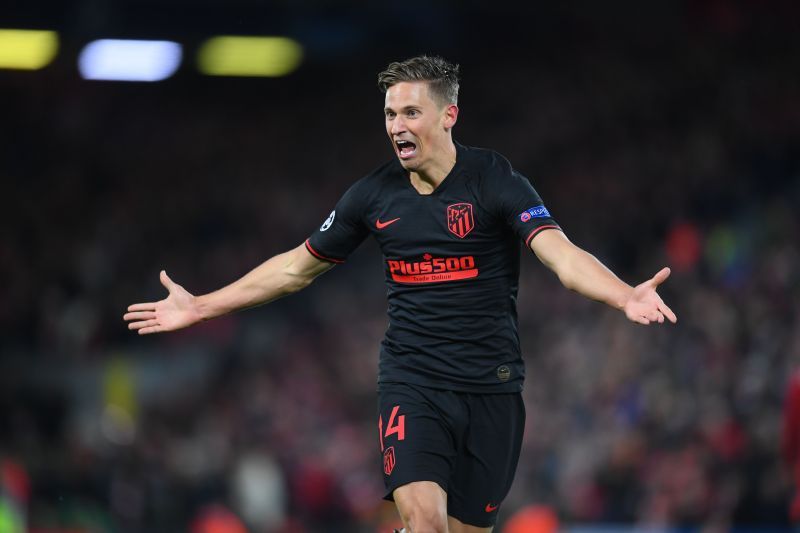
450,116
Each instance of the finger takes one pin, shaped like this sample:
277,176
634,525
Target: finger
139,315
166,281
151,329
148,306
142,324
652,316
667,312
660,277
640,319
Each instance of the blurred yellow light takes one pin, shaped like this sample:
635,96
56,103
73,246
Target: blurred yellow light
27,49
249,56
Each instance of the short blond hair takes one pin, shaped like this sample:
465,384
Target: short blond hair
441,76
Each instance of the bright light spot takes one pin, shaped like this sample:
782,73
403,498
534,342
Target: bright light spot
128,60
27,49
249,56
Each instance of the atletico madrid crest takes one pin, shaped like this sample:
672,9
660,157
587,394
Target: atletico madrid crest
388,461
460,219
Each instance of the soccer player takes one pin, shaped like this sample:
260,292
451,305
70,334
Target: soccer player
449,220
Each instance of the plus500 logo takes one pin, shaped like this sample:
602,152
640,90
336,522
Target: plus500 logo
433,269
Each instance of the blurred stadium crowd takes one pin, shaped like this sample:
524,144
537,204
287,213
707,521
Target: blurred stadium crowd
681,152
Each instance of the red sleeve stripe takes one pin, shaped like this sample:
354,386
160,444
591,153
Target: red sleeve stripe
320,256
536,232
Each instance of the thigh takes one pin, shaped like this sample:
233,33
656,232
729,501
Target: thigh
416,440
422,505
487,459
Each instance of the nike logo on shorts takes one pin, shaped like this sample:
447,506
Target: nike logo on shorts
491,508
381,225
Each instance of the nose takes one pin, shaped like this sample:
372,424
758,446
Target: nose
398,126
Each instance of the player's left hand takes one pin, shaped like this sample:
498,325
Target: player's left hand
645,305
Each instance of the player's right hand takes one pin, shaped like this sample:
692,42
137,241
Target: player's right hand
176,311
645,305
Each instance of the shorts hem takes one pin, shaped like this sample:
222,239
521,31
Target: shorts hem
489,521
396,484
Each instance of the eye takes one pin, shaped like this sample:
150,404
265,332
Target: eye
390,114
412,113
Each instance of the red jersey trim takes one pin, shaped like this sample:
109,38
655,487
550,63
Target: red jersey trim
320,256
536,232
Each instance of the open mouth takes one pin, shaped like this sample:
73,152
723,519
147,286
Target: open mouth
406,149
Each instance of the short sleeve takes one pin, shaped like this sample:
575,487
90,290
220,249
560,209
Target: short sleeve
519,205
343,230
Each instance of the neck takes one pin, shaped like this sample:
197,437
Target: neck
426,180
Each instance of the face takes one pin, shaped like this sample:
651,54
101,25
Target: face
418,127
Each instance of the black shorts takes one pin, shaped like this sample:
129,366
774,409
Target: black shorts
468,443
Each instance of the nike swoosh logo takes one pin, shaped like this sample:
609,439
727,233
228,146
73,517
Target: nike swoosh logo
381,225
491,508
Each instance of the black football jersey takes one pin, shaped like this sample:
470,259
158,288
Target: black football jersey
451,260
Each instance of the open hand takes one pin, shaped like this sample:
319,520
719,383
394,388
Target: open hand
176,311
645,305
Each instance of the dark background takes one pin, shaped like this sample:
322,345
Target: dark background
658,133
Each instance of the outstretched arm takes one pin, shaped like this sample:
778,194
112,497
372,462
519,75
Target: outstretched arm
279,276
580,271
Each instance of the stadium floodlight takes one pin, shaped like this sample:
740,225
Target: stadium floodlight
129,60
27,49
249,56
